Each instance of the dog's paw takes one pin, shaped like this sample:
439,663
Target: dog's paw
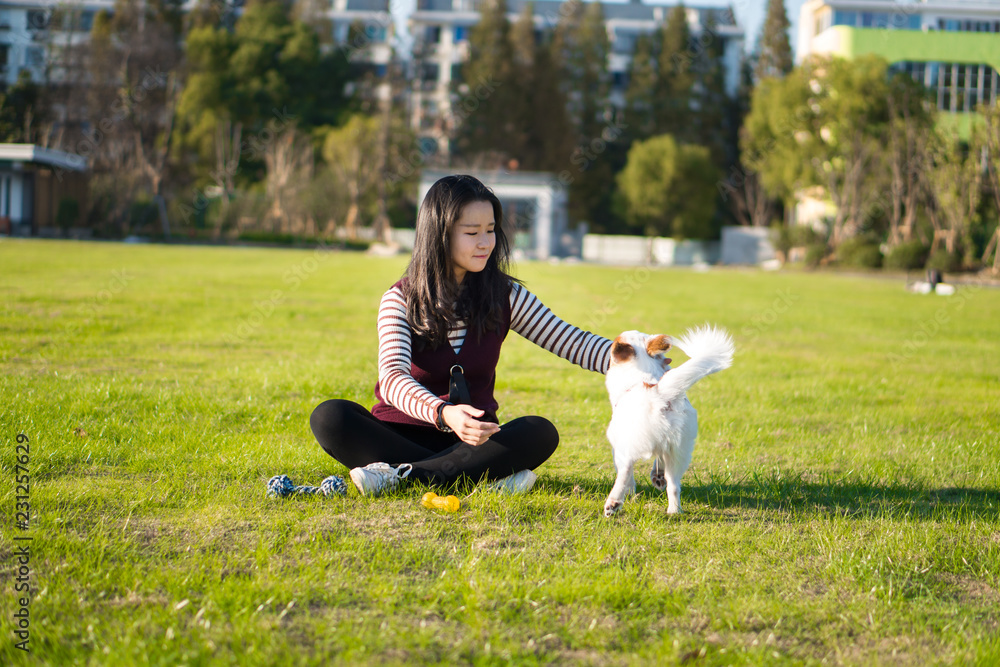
611,507
674,509
658,478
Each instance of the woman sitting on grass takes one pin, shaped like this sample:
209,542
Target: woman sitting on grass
445,323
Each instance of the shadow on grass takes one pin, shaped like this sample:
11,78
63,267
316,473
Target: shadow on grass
850,497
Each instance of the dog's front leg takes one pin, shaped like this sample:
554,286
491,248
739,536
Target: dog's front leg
624,485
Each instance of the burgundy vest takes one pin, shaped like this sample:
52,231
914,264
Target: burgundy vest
431,368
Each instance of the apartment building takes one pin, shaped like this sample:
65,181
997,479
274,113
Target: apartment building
951,46
440,30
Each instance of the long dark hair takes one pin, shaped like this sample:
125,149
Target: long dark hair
434,301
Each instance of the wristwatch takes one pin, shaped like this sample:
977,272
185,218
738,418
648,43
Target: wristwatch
439,419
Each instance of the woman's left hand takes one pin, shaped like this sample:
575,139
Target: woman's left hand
462,420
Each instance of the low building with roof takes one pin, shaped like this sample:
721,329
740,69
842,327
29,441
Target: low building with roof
33,182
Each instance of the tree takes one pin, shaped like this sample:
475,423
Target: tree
251,93
775,58
910,124
955,185
675,78
580,49
544,137
640,103
990,141
822,125
489,83
349,149
711,121
21,109
669,189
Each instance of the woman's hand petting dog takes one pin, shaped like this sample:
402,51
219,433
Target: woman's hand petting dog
462,420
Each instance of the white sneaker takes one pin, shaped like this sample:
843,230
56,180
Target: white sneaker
516,484
377,478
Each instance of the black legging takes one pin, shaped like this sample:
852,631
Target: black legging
349,433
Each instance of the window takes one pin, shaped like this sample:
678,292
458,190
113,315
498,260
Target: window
624,42
86,21
461,33
34,56
956,25
845,18
954,86
38,19
433,34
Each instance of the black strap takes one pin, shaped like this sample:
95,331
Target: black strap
458,390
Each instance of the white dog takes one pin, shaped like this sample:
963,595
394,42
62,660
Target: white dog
651,415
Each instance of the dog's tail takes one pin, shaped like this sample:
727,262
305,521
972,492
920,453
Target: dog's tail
710,350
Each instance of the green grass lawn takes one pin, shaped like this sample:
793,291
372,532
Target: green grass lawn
843,506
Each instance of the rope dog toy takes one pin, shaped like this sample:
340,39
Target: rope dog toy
280,486
432,500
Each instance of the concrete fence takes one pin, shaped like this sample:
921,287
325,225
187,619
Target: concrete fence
739,245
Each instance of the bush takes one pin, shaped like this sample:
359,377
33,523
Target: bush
815,254
944,261
805,236
860,252
67,213
907,256
781,237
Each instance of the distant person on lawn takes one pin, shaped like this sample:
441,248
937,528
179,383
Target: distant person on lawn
442,326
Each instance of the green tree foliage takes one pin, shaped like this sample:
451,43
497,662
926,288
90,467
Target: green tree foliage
489,79
580,49
989,140
640,96
775,57
349,151
675,76
21,110
268,68
823,125
669,189
543,140
714,121
956,187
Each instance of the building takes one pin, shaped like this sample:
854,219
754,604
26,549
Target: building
951,46
440,31
33,181
363,30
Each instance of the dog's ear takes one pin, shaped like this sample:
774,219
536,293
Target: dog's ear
657,344
621,351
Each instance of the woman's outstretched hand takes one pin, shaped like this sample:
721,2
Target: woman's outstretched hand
462,420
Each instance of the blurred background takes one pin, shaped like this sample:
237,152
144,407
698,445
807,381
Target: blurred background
859,133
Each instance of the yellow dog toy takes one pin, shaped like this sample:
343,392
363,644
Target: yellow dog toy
432,500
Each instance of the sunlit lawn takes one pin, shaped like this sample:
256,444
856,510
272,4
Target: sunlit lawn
843,506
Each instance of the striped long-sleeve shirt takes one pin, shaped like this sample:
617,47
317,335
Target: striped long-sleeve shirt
529,317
